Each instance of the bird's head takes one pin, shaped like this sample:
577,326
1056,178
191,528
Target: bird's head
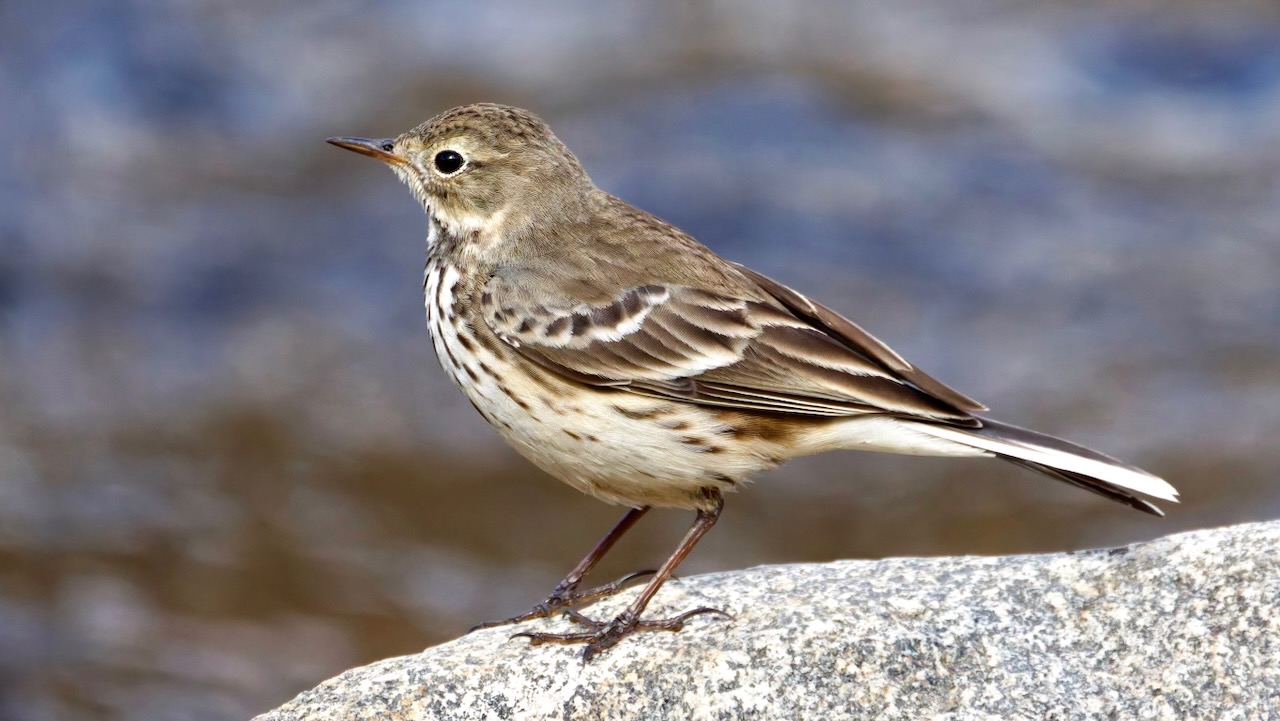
479,168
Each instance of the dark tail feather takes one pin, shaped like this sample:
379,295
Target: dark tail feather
1088,483
1062,460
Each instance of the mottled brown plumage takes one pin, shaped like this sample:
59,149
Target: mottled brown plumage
625,358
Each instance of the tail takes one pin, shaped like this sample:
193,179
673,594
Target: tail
1062,460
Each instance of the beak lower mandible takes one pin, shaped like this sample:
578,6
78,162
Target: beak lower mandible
381,148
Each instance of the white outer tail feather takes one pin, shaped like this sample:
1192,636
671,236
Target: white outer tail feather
1116,474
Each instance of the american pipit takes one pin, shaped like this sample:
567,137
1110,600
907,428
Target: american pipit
623,357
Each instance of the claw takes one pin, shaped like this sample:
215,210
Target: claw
562,599
622,582
539,611
676,623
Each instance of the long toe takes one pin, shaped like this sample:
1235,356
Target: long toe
564,600
542,610
677,622
538,639
583,620
609,589
600,636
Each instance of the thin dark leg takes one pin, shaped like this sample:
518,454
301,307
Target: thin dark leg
566,594
603,635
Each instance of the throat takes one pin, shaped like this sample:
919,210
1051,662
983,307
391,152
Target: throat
443,244
468,241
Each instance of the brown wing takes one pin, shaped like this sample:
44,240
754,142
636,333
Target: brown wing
857,339
776,352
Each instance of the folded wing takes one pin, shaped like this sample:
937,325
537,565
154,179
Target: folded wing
767,349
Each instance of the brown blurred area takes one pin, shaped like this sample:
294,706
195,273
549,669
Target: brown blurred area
231,468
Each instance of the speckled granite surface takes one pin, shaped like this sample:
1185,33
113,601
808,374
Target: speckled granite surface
1182,627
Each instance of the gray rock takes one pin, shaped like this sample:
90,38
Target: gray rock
1185,627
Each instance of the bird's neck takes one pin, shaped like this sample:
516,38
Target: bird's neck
505,235
463,238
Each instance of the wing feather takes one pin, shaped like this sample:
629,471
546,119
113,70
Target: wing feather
860,340
772,351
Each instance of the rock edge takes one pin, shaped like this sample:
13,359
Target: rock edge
1186,626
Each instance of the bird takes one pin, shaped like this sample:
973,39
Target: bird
623,357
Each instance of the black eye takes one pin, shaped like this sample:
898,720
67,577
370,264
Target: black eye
449,161
388,146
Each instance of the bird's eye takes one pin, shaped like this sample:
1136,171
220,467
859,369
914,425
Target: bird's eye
449,162
388,146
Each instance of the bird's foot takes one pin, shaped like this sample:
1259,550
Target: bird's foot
564,597
602,635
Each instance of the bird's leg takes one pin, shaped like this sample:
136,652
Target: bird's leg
601,635
566,593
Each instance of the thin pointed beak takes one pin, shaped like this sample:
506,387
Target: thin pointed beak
381,148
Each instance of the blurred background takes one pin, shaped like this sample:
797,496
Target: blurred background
230,466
